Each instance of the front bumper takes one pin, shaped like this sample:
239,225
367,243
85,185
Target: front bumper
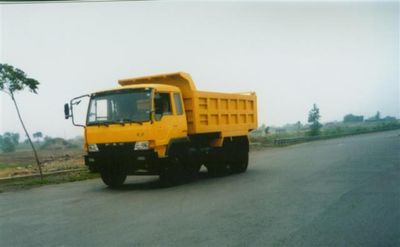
133,160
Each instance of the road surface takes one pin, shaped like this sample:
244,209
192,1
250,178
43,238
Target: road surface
339,192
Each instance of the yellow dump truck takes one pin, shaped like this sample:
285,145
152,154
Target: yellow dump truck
162,125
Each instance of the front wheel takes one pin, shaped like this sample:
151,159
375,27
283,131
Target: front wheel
113,175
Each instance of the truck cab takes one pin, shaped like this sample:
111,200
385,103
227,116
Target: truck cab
147,115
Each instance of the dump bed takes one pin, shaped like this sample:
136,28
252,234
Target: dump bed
230,114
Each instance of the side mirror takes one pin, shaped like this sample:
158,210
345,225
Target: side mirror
66,111
69,109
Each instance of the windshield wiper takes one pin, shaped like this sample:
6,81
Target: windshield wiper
98,123
127,120
122,122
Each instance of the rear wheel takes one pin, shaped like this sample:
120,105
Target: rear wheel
171,172
216,163
113,175
241,163
182,164
191,170
192,163
240,155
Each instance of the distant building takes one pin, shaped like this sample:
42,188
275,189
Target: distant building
350,118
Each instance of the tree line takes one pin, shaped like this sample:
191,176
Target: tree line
313,126
9,142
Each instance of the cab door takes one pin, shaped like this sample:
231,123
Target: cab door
179,123
164,118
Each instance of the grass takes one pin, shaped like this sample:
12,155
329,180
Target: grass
13,165
33,182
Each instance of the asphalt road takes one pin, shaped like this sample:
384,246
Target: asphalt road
340,192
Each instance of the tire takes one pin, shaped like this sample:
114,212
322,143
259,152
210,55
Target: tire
241,163
240,156
191,163
113,175
217,165
182,165
192,170
171,172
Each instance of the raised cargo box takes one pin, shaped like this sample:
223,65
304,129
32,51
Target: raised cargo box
231,114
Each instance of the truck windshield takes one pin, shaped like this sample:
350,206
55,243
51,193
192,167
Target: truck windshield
122,106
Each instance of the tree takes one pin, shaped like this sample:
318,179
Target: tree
374,118
37,135
377,115
14,137
313,119
9,141
13,80
7,145
298,126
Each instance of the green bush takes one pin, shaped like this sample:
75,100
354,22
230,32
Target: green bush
8,142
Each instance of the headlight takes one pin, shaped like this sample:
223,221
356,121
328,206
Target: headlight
144,145
93,148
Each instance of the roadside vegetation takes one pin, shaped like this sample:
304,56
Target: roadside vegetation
313,130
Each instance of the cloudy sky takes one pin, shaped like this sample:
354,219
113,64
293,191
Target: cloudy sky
344,56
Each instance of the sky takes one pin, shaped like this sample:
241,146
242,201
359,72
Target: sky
343,56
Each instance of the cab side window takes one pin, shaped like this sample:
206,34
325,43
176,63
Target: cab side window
162,104
178,104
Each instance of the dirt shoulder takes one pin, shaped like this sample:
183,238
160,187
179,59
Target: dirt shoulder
29,182
18,170
22,163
